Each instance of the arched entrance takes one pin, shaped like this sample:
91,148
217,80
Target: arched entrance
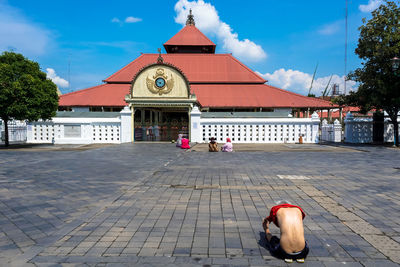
161,101
160,124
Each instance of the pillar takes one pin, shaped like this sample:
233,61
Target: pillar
348,128
315,127
126,125
337,131
195,126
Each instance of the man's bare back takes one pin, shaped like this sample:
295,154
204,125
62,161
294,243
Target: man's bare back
292,244
292,231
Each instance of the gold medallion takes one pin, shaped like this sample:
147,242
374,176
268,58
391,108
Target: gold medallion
160,84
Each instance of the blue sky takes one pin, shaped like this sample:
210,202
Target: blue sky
281,40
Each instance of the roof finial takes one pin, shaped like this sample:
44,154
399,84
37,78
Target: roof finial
160,60
190,19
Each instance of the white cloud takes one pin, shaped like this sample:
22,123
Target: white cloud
132,20
299,82
371,6
208,21
115,20
129,19
21,35
60,82
330,29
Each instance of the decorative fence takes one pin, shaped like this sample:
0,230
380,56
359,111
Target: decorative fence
360,130
109,127
16,131
254,130
82,128
331,132
78,132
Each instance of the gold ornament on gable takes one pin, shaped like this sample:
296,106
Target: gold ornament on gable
159,83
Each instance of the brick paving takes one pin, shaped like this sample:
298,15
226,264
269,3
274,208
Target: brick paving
153,205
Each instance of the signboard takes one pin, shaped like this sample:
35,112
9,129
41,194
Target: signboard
72,131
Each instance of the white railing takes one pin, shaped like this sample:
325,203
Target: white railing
331,132
254,130
360,130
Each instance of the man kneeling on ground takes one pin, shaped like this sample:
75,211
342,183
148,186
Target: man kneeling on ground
292,244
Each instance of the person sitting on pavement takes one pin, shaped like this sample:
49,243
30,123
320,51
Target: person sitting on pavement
179,140
213,145
185,143
228,147
291,245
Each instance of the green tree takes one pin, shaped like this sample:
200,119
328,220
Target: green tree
379,85
25,92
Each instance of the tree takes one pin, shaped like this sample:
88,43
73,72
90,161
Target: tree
25,92
379,85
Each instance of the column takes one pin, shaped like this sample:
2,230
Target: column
348,128
195,126
126,125
315,128
337,130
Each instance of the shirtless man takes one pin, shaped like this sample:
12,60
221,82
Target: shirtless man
292,245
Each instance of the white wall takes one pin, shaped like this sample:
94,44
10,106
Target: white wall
257,130
360,130
91,131
72,130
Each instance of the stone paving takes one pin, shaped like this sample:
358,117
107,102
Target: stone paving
153,205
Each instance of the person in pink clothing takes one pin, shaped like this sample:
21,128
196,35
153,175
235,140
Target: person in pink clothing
185,143
228,147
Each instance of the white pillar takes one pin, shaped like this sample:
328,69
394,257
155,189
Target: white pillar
324,130
126,126
348,128
29,132
315,127
337,131
195,127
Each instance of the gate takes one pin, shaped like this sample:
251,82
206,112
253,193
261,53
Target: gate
16,131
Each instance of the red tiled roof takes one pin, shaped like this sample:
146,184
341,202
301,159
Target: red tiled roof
354,110
252,95
101,95
208,95
190,35
198,68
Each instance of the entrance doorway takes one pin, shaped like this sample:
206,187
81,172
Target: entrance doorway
160,124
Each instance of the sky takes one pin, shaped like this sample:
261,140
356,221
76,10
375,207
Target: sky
80,43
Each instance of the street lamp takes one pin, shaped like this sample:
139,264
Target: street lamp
395,63
395,67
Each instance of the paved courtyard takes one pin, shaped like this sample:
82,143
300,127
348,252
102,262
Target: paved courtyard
155,205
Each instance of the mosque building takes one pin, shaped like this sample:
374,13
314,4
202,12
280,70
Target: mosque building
162,89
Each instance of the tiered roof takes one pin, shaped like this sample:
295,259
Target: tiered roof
189,40
198,68
218,80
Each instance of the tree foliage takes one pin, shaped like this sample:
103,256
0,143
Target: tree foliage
25,92
379,84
